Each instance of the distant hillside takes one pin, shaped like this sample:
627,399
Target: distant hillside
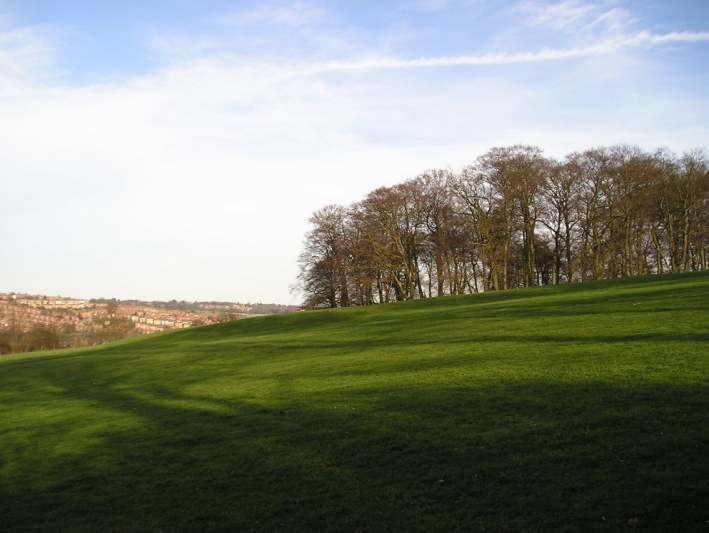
37,322
578,407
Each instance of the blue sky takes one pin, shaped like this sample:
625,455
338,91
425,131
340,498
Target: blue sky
98,40
174,149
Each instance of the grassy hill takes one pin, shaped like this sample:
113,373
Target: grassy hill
575,408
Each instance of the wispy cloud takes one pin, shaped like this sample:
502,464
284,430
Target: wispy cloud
24,54
576,16
275,70
508,58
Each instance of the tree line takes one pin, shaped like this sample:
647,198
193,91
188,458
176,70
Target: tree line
37,338
513,218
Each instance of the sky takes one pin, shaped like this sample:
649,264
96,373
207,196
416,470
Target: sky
176,149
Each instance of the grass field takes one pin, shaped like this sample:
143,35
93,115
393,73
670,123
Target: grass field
569,408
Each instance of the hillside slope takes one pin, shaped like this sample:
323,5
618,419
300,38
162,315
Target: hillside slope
577,407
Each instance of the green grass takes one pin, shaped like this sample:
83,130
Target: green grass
582,407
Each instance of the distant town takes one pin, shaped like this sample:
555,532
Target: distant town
35,322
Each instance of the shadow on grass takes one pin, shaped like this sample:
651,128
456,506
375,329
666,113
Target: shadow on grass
496,456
